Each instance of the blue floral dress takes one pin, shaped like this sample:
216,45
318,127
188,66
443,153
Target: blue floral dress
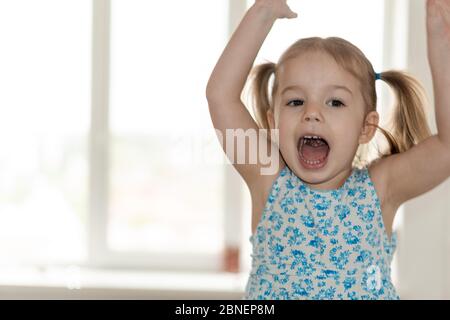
321,244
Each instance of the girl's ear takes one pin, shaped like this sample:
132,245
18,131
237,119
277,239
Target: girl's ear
270,119
369,128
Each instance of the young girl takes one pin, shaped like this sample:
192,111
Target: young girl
321,225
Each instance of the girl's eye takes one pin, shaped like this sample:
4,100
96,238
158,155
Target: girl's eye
296,100
338,105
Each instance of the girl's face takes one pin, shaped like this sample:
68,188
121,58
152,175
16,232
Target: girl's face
316,97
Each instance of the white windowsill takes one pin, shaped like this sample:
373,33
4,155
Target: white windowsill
72,282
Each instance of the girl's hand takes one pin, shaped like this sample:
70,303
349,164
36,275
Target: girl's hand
438,31
278,8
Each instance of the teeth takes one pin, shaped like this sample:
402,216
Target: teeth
312,137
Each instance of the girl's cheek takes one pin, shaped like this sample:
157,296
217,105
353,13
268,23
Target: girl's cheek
287,119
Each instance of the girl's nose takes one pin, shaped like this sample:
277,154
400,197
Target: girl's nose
311,117
311,114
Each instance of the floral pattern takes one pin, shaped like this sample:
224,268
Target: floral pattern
321,244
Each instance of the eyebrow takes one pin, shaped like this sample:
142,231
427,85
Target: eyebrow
295,87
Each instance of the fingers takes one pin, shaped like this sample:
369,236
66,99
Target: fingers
291,15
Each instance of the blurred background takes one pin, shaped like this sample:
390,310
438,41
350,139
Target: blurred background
112,181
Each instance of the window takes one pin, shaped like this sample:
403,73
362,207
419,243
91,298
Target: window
121,170
125,169
165,195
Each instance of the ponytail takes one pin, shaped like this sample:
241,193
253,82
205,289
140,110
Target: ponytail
408,120
259,91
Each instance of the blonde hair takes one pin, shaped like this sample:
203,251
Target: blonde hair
407,119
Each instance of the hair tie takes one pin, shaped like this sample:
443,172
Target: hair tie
377,76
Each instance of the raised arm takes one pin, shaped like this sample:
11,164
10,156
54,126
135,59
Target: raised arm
427,164
438,40
228,78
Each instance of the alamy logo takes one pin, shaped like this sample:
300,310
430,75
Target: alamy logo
253,144
241,146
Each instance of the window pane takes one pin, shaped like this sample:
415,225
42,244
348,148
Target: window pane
44,122
167,190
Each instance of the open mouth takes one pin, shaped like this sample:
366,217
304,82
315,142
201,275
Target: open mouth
313,151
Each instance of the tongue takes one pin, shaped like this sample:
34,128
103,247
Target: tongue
314,153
